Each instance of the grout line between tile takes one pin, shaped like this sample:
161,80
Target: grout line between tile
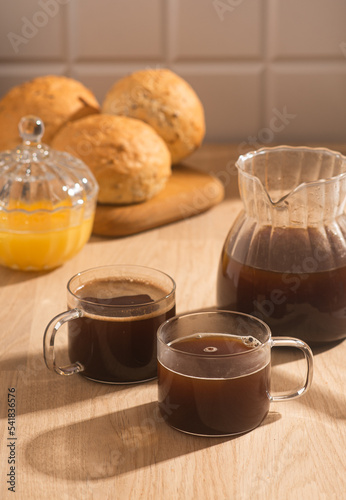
69,43
266,36
170,24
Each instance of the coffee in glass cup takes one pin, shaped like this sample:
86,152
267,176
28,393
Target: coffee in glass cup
214,372
113,316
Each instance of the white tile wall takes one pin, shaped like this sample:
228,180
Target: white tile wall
265,70
200,33
121,29
29,33
307,28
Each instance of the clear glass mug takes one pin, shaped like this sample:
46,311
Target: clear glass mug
113,316
214,372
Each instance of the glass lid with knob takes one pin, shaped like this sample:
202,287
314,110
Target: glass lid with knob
47,202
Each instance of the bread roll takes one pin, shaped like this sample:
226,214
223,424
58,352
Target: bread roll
165,101
130,161
54,99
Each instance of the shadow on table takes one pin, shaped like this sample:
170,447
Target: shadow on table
320,398
320,401
39,389
12,276
114,444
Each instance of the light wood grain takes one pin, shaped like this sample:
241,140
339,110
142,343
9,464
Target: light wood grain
81,440
188,192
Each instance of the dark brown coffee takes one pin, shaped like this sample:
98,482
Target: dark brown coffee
307,305
119,345
214,406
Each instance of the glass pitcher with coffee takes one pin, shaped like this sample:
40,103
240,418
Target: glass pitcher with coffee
284,259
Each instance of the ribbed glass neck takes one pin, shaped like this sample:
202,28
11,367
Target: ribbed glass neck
293,186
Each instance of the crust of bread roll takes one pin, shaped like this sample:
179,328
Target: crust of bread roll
165,101
55,99
129,160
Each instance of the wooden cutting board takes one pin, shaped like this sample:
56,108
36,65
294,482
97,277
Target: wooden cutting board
188,192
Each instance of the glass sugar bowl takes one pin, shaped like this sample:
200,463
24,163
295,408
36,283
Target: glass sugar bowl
47,203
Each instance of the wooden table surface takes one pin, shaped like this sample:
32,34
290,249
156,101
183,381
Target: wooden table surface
76,439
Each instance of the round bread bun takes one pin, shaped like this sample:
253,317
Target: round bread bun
165,101
129,159
55,99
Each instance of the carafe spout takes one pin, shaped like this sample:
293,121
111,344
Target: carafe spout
296,186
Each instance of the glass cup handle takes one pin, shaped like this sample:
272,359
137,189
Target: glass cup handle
299,344
48,343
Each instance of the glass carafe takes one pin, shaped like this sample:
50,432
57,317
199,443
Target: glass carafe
284,259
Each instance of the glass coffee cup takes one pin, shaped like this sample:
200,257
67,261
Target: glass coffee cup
113,316
214,372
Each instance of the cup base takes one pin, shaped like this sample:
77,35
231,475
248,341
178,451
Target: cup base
111,382
218,435
228,434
